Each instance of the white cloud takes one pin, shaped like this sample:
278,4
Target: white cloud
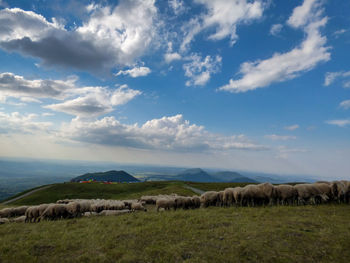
340,123
79,101
339,32
47,114
305,13
111,37
18,123
199,71
30,100
95,101
292,127
283,66
275,137
331,77
12,85
276,29
135,72
345,104
346,84
170,57
167,133
224,16
178,6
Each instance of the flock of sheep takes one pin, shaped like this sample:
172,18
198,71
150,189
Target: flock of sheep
69,208
250,195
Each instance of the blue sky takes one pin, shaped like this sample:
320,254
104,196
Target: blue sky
249,85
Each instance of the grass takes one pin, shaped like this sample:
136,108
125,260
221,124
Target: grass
102,191
261,234
22,193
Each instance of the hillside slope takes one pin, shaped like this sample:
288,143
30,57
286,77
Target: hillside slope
110,176
102,191
195,175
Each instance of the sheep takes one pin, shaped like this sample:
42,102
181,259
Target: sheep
128,203
19,211
33,213
137,207
114,212
85,206
228,198
165,203
196,201
338,189
307,193
4,221
285,194
249,194
324,192
88,214
209,198
73,208
56,211
6,212
237,195
220,199
182,202
20,219
149,199
346,190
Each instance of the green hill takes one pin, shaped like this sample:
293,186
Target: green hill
102,191
195,175
110,176
234,177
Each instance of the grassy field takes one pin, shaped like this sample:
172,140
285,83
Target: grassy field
102,191
261,234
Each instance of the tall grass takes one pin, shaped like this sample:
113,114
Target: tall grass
243,234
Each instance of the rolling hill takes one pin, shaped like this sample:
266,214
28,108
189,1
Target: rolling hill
195,175
234,177
110,176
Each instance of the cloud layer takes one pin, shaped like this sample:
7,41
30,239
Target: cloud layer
284,66
167,133
111,37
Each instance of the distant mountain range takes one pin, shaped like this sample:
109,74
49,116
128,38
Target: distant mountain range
198,175
110,176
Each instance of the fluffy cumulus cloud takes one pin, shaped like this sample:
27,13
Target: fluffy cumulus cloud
276,137
111,37
284,66
16,86
167,133
331,77
223,16
15,122
200,70
339,123
78,101
95,101
345,104
135,72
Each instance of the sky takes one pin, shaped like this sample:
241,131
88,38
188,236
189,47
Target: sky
259,85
